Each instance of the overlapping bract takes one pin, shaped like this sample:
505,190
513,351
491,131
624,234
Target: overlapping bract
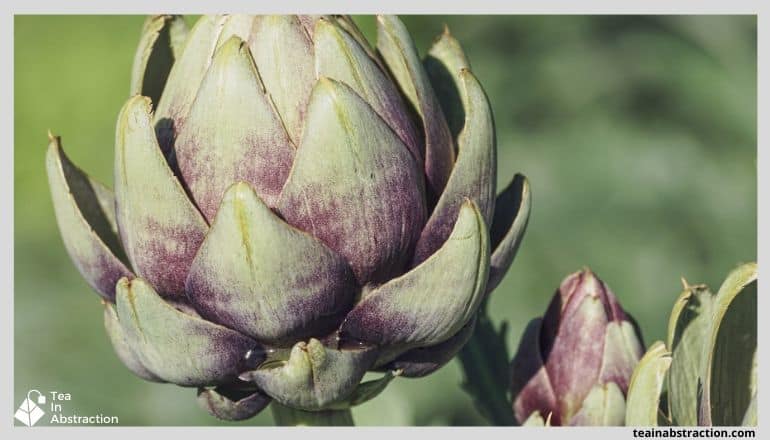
573,366
292,209
707,368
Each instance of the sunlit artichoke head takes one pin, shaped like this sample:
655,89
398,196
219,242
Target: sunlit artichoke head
291,209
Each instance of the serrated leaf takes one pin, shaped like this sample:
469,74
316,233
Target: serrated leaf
485,363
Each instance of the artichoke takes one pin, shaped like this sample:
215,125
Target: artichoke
292,208
573,365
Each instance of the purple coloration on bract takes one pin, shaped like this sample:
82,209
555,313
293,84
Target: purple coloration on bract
376,238
102,273
165,260
263,167
302,317
422,361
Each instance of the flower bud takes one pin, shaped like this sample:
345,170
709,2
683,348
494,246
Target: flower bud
585,347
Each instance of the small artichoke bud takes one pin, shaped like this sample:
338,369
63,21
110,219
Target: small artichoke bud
574,364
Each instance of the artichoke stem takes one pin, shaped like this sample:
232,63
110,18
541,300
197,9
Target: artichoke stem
285,416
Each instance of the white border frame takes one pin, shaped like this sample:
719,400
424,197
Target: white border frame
588,7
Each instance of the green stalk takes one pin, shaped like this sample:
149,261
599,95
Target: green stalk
285,416
485,362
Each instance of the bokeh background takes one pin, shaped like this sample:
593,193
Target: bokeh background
638,135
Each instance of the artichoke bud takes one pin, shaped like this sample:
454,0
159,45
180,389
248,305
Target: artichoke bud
574,364
292,210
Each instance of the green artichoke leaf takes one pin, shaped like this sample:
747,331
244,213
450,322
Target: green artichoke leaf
160,44
753,386
443,64
474,174
232,403
340,57
732,347
176,346
428,304
750,417
85,214
689,330
283,53
646,386
512,208
397,49
120,344
232,133
485,363
262,277
675,326
604,405
354,184
314,377
185,77
160,227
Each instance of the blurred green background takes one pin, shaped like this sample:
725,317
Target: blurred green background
638,135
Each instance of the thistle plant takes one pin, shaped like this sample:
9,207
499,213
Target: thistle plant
291,209
574,364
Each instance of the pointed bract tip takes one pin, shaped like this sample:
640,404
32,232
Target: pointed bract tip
329,88
157,18
239,190
233,44
324,26
138,101
123,283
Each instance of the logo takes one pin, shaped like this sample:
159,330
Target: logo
58,409
29,412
